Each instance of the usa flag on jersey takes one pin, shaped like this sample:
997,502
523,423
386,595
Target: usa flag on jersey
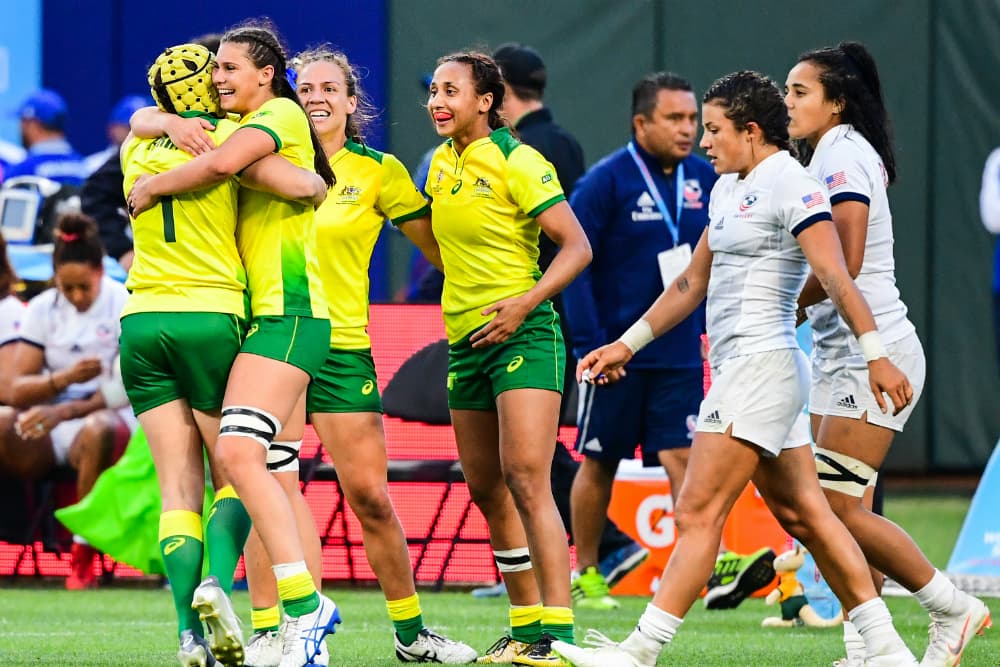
815,199
836,180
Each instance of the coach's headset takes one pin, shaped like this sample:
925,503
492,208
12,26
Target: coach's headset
181,81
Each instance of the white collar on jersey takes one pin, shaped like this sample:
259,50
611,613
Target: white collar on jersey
832,135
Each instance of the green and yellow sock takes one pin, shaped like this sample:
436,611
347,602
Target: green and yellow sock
265,619
406,617
526,623
296,589
558,622
182,549
225,535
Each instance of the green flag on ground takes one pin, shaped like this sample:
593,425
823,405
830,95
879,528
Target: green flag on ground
121,515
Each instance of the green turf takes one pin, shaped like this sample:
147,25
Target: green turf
120,626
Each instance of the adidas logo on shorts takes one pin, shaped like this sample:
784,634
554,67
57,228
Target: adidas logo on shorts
847,402
713,418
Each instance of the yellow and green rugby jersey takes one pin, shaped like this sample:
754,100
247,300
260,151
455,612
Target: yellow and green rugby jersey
484,205
277,237
185,246
371,186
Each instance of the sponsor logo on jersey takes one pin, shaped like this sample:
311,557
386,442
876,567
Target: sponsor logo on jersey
647,209
547,178
455,188
368,387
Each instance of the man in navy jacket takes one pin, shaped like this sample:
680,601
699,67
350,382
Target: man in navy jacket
644,208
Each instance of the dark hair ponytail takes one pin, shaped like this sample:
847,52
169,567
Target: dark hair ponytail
488,79
849,75
264,48
77,241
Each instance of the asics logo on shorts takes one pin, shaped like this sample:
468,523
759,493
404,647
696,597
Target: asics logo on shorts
252,330
451,380
367,387
515,363
173,545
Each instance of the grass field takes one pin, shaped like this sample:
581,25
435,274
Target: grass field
120,626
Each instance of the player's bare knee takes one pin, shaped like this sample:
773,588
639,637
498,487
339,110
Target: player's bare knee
372,506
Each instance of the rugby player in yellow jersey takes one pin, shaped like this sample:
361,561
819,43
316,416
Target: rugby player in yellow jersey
289,333
343,400
183,324
490,196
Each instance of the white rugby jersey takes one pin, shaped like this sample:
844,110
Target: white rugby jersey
851,170
54,324
11,316
758,267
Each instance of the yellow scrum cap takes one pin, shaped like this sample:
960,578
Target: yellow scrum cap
181,80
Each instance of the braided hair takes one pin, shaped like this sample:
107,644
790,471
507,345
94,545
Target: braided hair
264,48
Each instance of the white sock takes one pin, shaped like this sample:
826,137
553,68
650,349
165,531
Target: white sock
655,628
853,641
938,595
285,570
874,623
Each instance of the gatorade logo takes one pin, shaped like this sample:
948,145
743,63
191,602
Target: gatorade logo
173,545
253,329
515,363
367,387
654,521
455,188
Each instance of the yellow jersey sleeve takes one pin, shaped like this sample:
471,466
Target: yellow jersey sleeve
399,199
282,119
532,181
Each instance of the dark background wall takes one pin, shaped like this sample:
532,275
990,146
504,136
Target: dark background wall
937,59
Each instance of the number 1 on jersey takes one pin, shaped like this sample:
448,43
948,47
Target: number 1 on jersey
167,206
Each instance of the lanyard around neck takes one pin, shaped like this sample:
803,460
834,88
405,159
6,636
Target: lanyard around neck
672,227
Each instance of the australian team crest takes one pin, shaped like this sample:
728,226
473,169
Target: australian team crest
482,189
350,194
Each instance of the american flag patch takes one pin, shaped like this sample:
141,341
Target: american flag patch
836,180
815,199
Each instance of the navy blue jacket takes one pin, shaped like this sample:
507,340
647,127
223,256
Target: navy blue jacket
627,232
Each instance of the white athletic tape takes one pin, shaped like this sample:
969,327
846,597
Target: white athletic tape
513,560
283,456
842,473
249,422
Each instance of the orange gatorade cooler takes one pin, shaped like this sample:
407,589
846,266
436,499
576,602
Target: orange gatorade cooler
642,507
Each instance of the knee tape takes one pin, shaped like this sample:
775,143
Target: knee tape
284,456
842,473
249,422
513,560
